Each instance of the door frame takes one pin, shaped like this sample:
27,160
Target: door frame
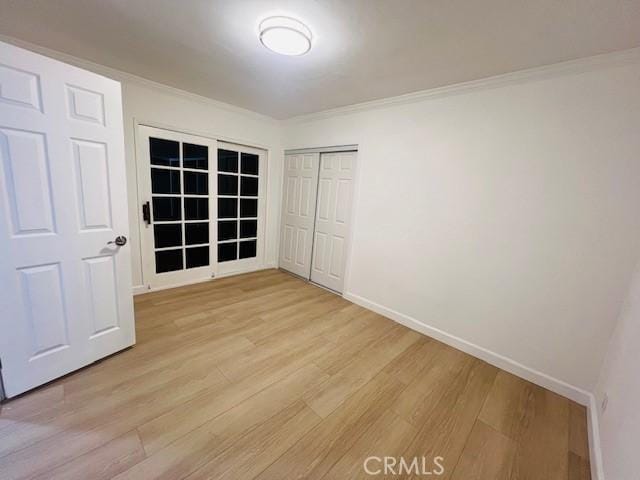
348,267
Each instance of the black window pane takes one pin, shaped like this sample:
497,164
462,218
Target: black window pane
227,161
227,185
167,235
196,233
227,207
249,164
227,252
166,209
164,152
197,257
195,156
227,230
196,208
168,260
249,187
248,249
196,183
248,208
165,181
248,228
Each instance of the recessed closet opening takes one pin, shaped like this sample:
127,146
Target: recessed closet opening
317,214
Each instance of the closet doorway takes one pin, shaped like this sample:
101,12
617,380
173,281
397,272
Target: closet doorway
316,215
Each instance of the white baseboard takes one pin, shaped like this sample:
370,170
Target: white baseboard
558,386
138,289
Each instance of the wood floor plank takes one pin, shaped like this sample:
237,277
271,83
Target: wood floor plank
104,463
316,453
387,437
537,419
265,376
488,454
256,451
184,418
195,449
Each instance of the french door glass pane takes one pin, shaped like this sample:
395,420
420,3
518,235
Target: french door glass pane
227,185
196,233
227,230
249,187
249,164
227,251
165,181
248,208
168,235
196,183
248,249
227,161
195,156
164,152
227,207
168,260
196,208
197,257
166,209
248,228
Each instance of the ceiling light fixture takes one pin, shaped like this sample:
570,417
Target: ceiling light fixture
285,35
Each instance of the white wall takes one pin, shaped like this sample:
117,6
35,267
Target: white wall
505,215
620,380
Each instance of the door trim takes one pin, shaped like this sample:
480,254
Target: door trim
335,149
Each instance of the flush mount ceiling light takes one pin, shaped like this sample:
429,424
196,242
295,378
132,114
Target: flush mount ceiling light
285,35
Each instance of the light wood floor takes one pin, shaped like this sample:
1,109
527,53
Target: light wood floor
263,376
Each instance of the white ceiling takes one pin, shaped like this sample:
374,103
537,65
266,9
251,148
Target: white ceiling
363,50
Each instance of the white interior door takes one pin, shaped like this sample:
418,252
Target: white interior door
65,288
298,210
177,184
333,219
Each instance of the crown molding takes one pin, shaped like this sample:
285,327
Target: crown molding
571,67
131,78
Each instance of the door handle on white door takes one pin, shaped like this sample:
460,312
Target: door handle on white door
120,241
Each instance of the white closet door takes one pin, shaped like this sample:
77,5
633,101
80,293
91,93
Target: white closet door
65,286
298,208
333,219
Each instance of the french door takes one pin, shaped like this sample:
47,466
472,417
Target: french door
203,207
316,216
65,271
241,208
178,188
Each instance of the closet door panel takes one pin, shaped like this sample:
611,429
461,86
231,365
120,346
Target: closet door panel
333,219
298,211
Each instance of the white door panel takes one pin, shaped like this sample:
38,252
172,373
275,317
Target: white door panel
65,291
298,211
333,219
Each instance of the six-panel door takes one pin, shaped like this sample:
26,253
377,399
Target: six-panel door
65,289
333,219
298,210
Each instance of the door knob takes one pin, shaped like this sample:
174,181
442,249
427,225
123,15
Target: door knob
120,241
